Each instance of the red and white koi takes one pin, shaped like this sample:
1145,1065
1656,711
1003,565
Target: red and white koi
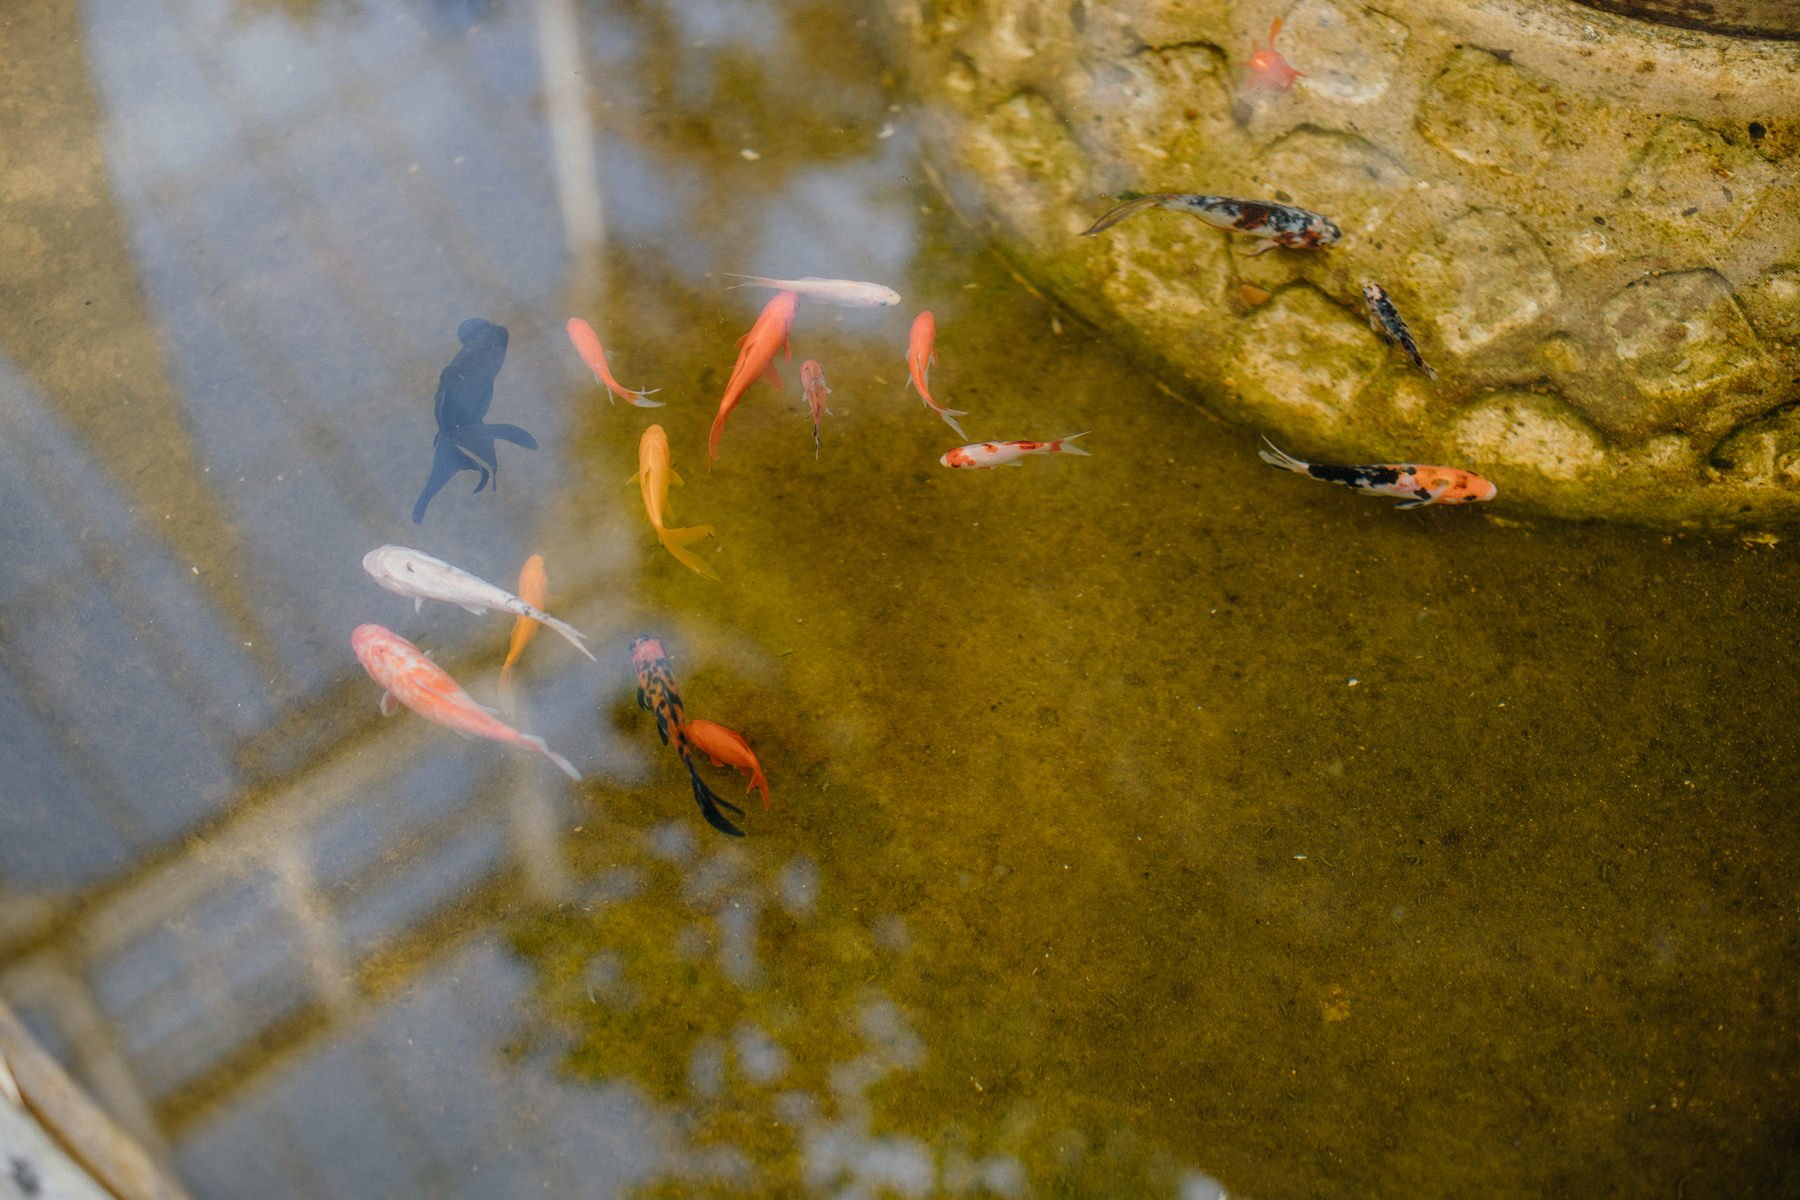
921,353
814,391
756,360
1421,486
420,577
727,747
982,455
658,695
1281,224
1267,70
412,679
1386,321
846,293
593,357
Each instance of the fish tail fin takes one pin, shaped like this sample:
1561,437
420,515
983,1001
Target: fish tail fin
532,741
1275,456
712,438
572,635
1119,212
749,280
506,690
711,803
641,398
950,415
677,541
1066,446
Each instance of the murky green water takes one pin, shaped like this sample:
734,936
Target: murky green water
1141,821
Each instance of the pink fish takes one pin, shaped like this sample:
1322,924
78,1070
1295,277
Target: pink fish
812,387
1268,71
921,352
414,680
593,357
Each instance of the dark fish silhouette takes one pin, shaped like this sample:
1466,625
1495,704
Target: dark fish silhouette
465,390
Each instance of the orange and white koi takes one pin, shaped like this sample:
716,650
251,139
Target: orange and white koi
1267,70
1388,325
412,679
846,293
654,475
1282,224
658,695
534,586
420,577
1420,485
593,357
756,360
814,391
727,747
921,353
983,455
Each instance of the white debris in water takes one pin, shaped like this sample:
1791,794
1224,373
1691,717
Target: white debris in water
759,1057
748,155
799,886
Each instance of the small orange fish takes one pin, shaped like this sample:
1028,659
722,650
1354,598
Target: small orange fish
813,389
534,586
654,475
728,747
1419,485
921,353
658,695
1268,71
593,357
756,360
414,680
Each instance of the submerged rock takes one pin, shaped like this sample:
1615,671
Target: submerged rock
1590,223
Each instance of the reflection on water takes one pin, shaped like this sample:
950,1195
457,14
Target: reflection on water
1139,820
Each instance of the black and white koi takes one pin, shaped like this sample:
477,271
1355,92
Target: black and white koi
1386,321
1280,224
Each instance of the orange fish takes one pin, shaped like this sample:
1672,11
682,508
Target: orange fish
534,586
593,357
654,474
921,352
726,746
1269,72
414,680
1418,485
658,695
813,389
756,360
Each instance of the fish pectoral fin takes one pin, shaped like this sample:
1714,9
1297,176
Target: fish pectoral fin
675,477
511,433
418,603
643,700
1262,249
389,705
1425,501
632,480
771,376
474,610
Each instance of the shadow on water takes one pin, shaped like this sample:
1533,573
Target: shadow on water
1140,820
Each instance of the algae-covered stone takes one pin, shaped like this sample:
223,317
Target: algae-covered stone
1591,224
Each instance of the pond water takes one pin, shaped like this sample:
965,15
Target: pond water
1149,823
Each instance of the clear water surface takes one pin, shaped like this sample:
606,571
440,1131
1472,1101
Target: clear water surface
1142,823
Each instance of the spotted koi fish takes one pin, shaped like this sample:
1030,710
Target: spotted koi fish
658,695
1420,485
982,455
1280,224
1385,320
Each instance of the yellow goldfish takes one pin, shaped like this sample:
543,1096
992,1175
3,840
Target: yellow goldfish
654,475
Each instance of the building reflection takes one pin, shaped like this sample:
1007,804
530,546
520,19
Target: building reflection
262,926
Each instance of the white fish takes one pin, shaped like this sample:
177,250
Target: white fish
417,575
849,293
